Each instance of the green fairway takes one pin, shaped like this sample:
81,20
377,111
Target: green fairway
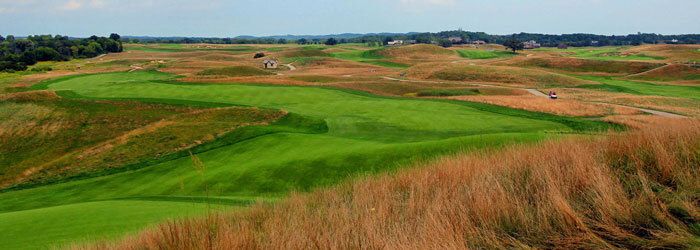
368,56
62,225
358,134
611,53
642,88
484,54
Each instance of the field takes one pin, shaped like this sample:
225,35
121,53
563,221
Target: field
162,132
484,54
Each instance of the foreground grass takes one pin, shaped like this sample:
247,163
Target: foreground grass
637,190
63,225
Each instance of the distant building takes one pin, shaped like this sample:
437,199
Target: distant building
594,43
410,42
395,43
270,64
532,44
563,46
674,41
455,39
478,42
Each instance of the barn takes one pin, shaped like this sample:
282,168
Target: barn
270,64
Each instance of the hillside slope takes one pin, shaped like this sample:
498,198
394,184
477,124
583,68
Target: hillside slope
636,190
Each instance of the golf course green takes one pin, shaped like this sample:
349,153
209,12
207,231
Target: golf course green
337,134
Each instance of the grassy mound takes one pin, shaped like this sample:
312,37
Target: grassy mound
584,65
625,191
448,92
673,72
418,51
234,71
316,78
609,53
642,88
484,54
306,52
51,140
373,56
477,73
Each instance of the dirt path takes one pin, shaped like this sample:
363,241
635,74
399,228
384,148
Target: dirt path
536,92
653,112
291,67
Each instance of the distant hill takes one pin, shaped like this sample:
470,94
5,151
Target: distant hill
336,36
546,40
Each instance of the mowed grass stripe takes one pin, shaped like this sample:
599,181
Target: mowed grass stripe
643,88
62,225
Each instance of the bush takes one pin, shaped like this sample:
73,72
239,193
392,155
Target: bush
259,55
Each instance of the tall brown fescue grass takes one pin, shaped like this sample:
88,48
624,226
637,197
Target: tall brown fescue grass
566,107
633,190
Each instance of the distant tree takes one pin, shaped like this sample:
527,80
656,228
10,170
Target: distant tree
111,45
2,39
514,44
47,54
445,43
10,38
331,41
28,57
282,41
302,41
115,37
387,40
259,55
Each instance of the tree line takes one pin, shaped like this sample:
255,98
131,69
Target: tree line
16,54
442,38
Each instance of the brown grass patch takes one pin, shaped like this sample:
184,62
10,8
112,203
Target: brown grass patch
637,121
546,105
511,76
673,72
635,190
588,66
681,53
418,52
684,106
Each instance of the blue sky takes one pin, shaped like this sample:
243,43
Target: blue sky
277,17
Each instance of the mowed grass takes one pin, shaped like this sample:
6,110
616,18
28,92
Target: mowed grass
235,71
611,53
359,134
642,88
372,56
484,54
63,225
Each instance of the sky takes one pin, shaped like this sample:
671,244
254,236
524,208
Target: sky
220,18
